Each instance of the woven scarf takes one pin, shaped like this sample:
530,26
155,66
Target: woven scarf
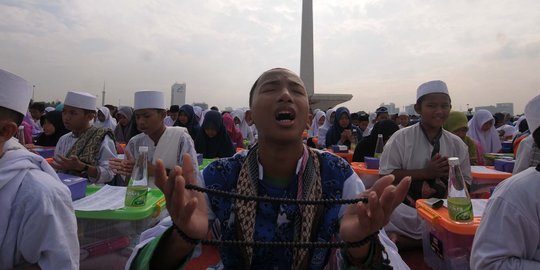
428,188
86,148
308,219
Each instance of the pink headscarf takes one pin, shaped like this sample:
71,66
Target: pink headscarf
232,130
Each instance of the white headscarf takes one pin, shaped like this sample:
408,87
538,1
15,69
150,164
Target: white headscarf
247,133
109,121
372,117
488,139
198,112
314,129
327,123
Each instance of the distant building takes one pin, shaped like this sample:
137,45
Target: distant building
500,107
410,109
178,94
391,108
203,105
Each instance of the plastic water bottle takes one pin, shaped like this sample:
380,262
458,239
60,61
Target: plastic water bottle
459,201
137,188
379,146
354,139
20,135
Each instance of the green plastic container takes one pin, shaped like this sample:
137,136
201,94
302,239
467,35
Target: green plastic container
155,203
206,162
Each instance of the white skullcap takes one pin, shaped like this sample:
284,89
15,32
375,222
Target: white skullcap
532,113
81,100
148,99
15,92
403,113
430,88
49,109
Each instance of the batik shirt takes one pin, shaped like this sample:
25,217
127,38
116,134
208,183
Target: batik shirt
276,222
273,223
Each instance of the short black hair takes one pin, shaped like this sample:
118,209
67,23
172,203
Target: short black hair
523,126
499,117
9,114
40,106
536,136
363,117
252,91
214,108
354,116
174,108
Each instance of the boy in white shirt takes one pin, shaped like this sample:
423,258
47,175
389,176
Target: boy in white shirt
421,151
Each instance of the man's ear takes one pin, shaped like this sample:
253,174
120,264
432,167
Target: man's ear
417,108
7,129
249,118
91,116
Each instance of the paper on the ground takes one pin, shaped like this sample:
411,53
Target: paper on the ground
107,198
478,206
483,169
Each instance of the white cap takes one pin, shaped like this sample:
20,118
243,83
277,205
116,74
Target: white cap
430,88
81,100
148,99
143,148
49,109
403,113
15,92
453,161
532,113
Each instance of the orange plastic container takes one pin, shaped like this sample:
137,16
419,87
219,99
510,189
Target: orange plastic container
486,177
347,156
446,244
368,176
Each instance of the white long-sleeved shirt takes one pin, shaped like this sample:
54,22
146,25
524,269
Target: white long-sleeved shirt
37,220
509,233
106,152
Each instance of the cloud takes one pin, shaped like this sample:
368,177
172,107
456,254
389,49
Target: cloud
379,51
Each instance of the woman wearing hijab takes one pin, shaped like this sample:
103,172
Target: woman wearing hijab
104,119
187,119
318,121
198,113
213,140
482,129
372,119
233,132
53,129
126,127
245,129
366,147
457,124
342,130
328,121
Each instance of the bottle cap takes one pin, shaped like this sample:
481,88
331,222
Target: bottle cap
453,161
143,148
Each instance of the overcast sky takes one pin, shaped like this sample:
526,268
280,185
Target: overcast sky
379,51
